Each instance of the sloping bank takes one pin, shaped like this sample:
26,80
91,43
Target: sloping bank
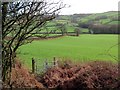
66,75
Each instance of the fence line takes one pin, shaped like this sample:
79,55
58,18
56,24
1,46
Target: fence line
38,67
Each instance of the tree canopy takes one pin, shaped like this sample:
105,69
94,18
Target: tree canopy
20,21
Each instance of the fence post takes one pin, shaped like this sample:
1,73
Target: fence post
54,62
33,65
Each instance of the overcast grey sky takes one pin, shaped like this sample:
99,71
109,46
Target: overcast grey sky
89,6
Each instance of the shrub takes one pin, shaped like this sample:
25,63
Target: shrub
90,75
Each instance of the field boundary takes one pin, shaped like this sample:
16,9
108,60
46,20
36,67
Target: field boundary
39,68
38,38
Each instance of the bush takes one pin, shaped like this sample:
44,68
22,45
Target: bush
90,75
21,78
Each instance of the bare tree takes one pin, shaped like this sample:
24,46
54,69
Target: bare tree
62,28
77,31
20,21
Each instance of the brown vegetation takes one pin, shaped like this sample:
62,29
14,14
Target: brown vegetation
91,75
21,78
66,75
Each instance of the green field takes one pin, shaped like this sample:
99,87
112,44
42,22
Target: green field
81,49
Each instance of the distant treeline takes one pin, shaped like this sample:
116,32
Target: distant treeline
101,29
104,29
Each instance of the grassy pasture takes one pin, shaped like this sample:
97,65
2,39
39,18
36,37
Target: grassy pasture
110,15
104,21
81,49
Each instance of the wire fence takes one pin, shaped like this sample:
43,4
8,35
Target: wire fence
38,67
